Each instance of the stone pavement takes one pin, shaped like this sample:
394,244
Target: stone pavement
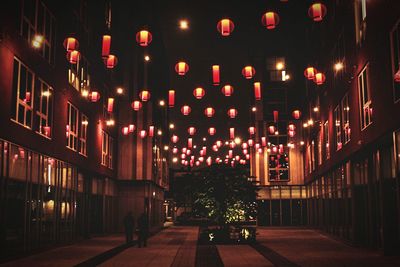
178,247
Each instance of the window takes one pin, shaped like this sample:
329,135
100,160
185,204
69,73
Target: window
37,19
45,109
346,118
107,148
83,134
72,127
338,127
78,75
320,142
23,90
279,167
277,69
365,98
326,140
395,38
361,20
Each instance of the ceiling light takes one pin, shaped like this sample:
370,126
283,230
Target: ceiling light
183,24
161,103
120,90
147,58
280,65
171,126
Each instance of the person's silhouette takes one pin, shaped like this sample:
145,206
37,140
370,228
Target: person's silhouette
143,227
129,222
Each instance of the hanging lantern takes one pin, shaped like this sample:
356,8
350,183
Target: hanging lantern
144,95
245,151
131,128
248,156
175,150
215,148
263,141
291,133
199,93
189,144
245,145
136,105
171,98
125,130
227,90
271,129
257,91
230,153
94,96
276,116
317,11
274,149
257,146
181,68
73,56
215,75
248,72
209,161
291,127
71,44
184,150
232,144
319,78
231,133
106,45
151,131
191,130
211,131
225,27
296,114
270,20
232,113
111,61
144,38
143,134
252,130
110,104
310,72
250,142
219,143
186,110
209,112
197,163
174,139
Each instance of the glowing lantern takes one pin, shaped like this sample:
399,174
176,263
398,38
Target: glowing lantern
270,20
252,130
144,38
232,133
245,145
263,141
151,131
215,74
186,110
125,130
174,139
171,98
181,68
175,150
248,156
248,72
296,114
191,130
250,142
310,72
230,153
274,149
46,130
276,115
110,104
111,61
257,90
397,76
197,163
291,127
144,95
225,27
136,105
257,146
215,148
27,98
211,131
232,113
227,90
291,133
245,151
131,128
271,129
71,44
73,56
209,112
184,150
199,92
189,143
319,78
94,96
106,45
317,11
219,143
143,133
209,161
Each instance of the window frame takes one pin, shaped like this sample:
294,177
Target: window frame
338,127
345,107
361,95
75,135
48,117
395,29
327,140
83,134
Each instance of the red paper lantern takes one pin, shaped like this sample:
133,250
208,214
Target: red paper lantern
181,68
248,72
252,130
215,74
232,113
215,148
189,144
231,133
136,105
291,133
110,104
46,130
171,98
270,20
225,27
296,114
144,38
125,130
186,110
263,141
257,91
271,129
310,72
319,78
291,127
227,90
94,96
209,112
250,142
131,128
71,44
276,116
219,143
211,131
191,130
174,139
245,145
144,95
143,134
151,131
111,61
317,11
199,92
73,56
106,46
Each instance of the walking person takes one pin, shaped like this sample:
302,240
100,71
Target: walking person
143,230
129,222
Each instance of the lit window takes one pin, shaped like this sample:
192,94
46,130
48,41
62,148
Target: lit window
78,75
365,98
45,109
72,127
338,127
346,118
83,134
326,140
23,93
395,37
107,148
279,166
